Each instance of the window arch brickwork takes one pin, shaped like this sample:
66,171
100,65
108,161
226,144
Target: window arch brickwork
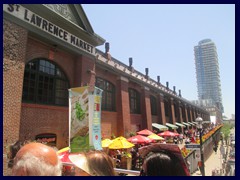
134,99
153,102
45,83
108,95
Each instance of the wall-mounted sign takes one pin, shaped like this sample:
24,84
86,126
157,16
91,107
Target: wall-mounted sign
46,138
37,21
193,146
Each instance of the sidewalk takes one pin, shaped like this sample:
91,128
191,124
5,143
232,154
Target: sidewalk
213,162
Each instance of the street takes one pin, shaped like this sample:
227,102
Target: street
214,162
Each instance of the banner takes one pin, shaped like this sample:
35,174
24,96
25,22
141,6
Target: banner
84,119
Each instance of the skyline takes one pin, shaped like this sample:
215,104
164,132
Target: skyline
163,41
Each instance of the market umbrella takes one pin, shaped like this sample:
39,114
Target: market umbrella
155,137
63,150
139,139
63,155
145,132
106,142
120,143
168,133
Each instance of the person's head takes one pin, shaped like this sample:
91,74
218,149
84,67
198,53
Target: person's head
93,163
13,149
36,159
161,160
161,164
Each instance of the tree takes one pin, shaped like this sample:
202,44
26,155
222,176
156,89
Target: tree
226,132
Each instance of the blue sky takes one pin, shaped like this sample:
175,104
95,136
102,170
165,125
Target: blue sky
161,37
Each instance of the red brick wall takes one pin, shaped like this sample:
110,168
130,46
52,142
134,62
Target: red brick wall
39,119
66,61
109,124
109,120
14,48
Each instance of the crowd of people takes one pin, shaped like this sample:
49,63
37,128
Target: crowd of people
37,159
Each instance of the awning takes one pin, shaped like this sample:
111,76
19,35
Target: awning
192,123
171,125
186,124
160,127
206,122
180,124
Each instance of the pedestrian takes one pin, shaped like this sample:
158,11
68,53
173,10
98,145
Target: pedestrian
175,139
13,149
163,160
36,159
135,155
181,138
187,141
93,163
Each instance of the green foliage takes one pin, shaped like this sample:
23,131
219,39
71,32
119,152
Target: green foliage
226,131
113,136
126,155
80,113
132,134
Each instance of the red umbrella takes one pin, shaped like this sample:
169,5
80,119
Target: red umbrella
139,139
63,155
145,132
168,133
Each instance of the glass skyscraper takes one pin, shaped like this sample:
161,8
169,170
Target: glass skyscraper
207,73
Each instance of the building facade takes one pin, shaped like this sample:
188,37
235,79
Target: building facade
48,49
207,73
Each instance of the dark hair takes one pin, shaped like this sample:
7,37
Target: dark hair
163,164
14,148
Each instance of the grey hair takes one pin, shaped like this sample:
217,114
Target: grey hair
34,166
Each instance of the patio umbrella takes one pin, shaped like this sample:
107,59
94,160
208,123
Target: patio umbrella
63,150
155,137
63,155
106,142
120,143
168,133
145,132
139,139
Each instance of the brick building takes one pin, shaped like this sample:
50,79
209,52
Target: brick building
50,48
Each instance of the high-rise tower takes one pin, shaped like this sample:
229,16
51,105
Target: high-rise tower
207,73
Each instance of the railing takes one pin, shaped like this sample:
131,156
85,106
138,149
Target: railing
125,171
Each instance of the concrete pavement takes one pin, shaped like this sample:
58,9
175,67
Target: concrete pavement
214,162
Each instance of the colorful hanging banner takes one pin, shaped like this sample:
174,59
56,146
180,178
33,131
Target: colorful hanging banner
84,119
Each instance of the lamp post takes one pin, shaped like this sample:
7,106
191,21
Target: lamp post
199,121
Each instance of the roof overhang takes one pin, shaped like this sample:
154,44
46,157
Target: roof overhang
186,124
180,124
160,126
171,125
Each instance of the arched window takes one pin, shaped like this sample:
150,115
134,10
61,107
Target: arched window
176,110
108,94
153,102
45,83
183,113
134,99
166,107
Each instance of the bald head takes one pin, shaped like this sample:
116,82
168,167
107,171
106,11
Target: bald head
39,150
35,157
